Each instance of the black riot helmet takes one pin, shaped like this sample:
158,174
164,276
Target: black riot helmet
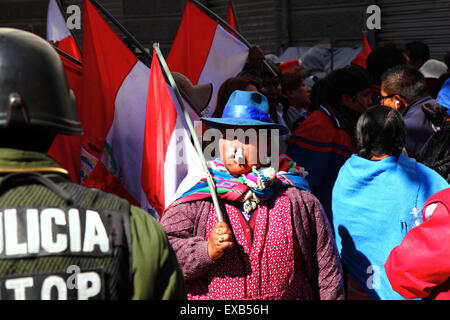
34,93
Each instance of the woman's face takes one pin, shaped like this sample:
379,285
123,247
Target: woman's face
300,96
240,155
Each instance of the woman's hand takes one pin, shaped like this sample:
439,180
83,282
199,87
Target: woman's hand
220,238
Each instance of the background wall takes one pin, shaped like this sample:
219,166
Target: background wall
272,24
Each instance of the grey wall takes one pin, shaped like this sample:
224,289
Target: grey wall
272,24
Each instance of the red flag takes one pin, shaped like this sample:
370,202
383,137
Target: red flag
361,58
230,15
65,150
205,52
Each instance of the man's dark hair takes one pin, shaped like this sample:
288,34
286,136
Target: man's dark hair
380,130
435,154
417,50
318,93
349,80
383,58
406,81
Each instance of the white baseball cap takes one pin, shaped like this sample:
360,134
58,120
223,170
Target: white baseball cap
433,69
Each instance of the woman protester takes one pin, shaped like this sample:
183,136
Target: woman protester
275,241
372,197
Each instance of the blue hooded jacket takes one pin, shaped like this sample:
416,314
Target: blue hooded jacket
371,201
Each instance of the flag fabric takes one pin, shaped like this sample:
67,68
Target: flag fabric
58,33
205,52
115,86
65,149
114,91
361,58
170,160
230,15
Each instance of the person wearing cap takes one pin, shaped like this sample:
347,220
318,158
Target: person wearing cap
404,89
432,70
60,240
289,65
436,151
274,241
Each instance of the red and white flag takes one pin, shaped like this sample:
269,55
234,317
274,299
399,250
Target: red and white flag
205,52
170,164
58,32
115,92
65,150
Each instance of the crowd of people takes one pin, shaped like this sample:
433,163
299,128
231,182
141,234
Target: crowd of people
366,143
357,151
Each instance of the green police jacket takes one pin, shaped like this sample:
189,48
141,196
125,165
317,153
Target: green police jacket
154,272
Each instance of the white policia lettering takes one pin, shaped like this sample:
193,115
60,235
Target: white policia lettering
40,233
89,285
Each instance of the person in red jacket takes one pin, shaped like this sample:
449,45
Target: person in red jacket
420,266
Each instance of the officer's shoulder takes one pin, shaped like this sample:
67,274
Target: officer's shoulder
147,228
141,221
94,198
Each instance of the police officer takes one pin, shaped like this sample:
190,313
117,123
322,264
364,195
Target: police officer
59,240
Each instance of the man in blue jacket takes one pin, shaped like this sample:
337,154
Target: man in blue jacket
404,89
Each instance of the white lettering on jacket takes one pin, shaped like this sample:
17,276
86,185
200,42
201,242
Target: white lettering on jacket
51,231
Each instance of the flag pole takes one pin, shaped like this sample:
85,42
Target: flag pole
234,16
197,145
121,28
225,25
68,56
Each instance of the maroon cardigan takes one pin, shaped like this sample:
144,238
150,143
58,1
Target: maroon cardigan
185,225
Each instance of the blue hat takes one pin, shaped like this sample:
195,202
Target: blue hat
245,108
443,97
